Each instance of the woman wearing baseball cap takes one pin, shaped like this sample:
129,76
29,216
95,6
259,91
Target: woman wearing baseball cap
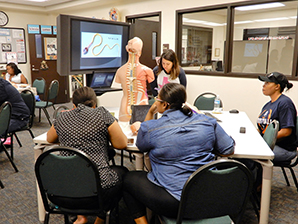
282,109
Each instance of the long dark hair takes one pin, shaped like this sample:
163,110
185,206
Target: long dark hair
171,56
175,95
84,95
15,68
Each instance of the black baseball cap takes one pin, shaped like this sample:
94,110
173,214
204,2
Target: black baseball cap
275,77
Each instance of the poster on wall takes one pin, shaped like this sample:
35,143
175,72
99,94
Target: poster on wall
50,48
12,47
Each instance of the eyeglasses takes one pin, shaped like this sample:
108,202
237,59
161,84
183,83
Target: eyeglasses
159,100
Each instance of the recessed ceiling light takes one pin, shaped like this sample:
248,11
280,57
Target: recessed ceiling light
260,6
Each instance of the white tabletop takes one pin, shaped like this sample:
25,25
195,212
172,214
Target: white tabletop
249,144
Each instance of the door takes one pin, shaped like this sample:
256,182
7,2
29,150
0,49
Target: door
46,66
148,29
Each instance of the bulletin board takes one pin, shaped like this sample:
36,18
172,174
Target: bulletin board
12,45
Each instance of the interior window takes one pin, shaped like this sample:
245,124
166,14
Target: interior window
203,37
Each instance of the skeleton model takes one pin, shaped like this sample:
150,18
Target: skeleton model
133,76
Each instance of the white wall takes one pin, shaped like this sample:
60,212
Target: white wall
242,93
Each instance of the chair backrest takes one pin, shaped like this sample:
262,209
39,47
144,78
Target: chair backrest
40,85
29,100
70,182
216,189
205,101
58,110
5,114
53,90
270,134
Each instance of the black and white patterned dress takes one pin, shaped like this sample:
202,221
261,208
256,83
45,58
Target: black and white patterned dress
86,129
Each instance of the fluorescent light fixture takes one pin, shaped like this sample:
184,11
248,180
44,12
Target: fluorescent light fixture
37,0
260,6
293,17
203,22
242,22
271,19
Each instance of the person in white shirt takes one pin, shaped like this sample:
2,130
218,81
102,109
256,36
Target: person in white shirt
14,74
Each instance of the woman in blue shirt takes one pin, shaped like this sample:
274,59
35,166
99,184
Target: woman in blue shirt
178,144
282,109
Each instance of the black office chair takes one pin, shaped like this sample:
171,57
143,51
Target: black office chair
29,100
205,101
5,114
40,85
69,185
215,193
289,165
51,96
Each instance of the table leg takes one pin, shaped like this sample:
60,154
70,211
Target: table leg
266,190
139,161
38,149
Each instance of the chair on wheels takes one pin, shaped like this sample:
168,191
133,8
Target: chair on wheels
205,101
40,85
51,95
5,114
215,193
29,100
289,165
56,177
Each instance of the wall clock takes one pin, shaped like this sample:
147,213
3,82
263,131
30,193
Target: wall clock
3,18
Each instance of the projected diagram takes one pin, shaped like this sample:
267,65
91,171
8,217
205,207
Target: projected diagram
99,45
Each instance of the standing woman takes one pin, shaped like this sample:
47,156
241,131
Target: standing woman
282,109
14,74
90,129
167,70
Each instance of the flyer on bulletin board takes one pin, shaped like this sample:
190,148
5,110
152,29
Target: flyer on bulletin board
11,57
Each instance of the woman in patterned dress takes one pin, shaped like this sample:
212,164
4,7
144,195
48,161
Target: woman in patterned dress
90,129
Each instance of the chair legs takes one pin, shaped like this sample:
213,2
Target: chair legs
293,175
10,157
18,140
47,115
1,184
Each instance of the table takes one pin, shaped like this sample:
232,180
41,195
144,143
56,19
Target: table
249,145
21,87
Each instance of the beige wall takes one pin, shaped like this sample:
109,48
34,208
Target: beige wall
241,93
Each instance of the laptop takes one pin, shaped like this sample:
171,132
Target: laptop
102,81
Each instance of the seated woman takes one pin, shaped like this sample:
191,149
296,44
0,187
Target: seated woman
282,109
14,74
167,70
90,129
178,144
20,112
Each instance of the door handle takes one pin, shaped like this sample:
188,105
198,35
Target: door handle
35,69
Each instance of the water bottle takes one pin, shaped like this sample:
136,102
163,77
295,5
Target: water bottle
217,108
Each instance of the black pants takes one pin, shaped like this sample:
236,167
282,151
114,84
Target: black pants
112,196
139,193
